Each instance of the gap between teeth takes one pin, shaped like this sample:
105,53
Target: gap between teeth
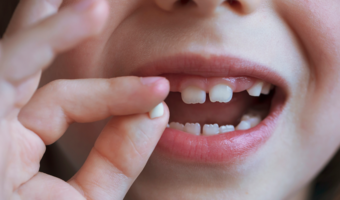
248,121
221,93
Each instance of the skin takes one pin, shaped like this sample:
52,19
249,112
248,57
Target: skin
300,40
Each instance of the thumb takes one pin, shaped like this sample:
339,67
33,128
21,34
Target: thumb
119,155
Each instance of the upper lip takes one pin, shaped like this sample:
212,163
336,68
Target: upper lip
212,66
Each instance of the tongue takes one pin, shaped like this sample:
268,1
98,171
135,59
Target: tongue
209,113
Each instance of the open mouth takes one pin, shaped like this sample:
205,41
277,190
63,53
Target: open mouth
209,106
221,109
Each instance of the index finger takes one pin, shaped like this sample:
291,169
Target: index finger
56,105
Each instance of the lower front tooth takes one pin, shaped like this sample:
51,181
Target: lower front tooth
210,129
227,128
176,125
243,125
193,128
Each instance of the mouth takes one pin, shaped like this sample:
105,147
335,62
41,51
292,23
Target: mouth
221,108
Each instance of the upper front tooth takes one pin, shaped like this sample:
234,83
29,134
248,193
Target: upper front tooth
227,128
210,129
266,88
221,93
256,89
191,95
193,128
243,125
176,125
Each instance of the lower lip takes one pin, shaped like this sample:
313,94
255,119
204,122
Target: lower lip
222,148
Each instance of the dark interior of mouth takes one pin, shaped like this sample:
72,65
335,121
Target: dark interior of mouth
218,113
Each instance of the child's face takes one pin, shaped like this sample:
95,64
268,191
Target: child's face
293,44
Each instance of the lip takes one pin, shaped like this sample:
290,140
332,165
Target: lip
221,148
212,66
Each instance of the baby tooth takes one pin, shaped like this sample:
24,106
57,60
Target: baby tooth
227,128
191,95
256,89
266,88
193,128
168,126
210,129
243,125
176,125
245,117
157,111
253,120
221,93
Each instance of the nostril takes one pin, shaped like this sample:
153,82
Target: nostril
171,5
236,6
184,2
233,2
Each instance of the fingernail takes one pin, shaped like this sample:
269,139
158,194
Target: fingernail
83,5
158,111
149,80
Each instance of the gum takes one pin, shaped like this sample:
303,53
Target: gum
178,82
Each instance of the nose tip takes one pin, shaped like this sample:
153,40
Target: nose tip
249,6
210,6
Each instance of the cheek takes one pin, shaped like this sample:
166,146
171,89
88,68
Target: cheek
316,24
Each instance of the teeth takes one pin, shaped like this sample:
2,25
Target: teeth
227,128
243,125
193,128
157,111
256,89
176,125
248,121
192,95
210,129
221,93
253,120
266,88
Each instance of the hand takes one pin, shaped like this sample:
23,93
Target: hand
31,119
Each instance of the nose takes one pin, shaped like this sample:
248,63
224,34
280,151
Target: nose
210,6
